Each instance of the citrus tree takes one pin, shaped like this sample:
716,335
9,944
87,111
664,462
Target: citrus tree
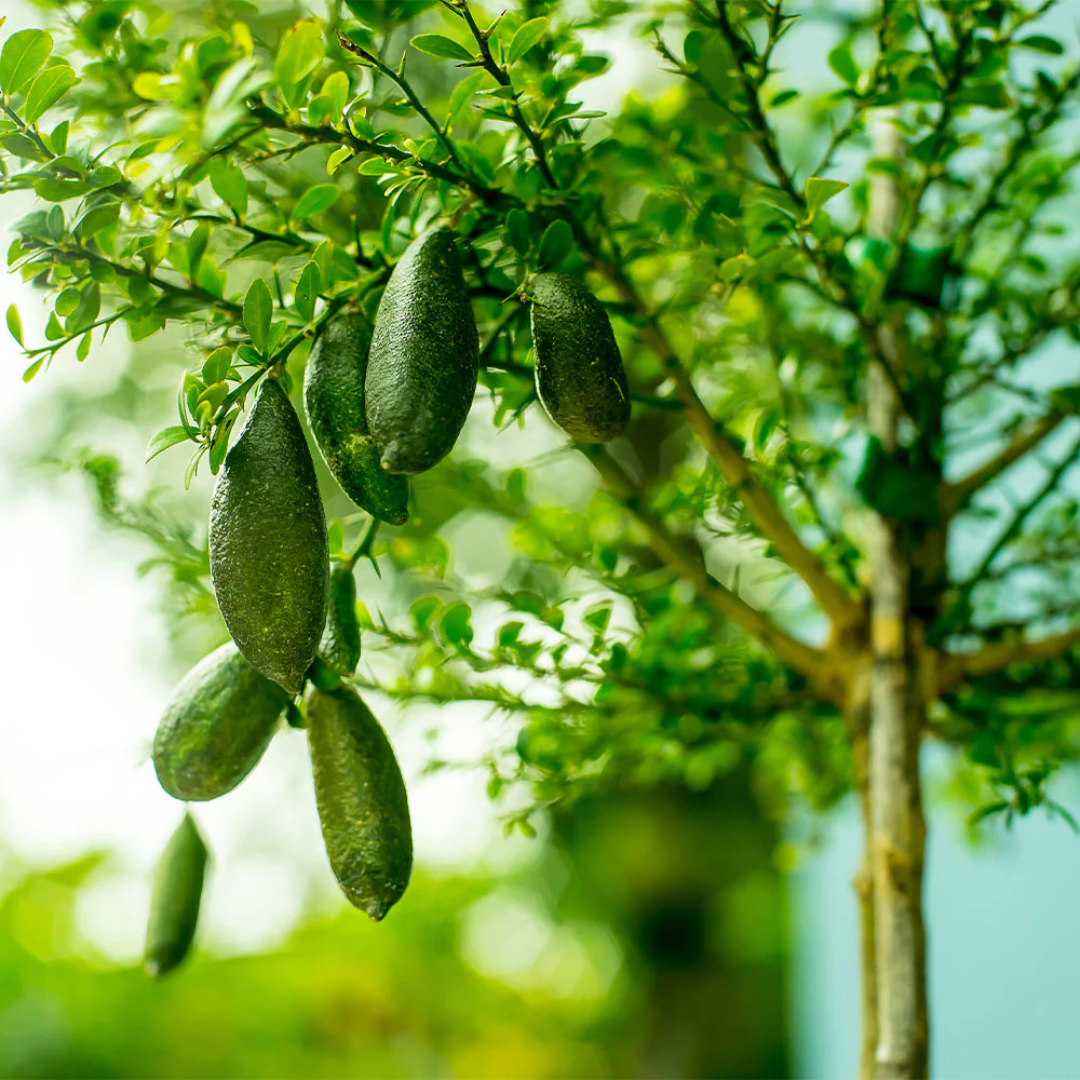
796,328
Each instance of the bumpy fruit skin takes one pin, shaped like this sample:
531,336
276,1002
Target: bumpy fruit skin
361,798
269,559
216,726
174,905
340,645
421,374
579,372
334,400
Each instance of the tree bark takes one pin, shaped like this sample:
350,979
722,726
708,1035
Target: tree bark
896,713
864,892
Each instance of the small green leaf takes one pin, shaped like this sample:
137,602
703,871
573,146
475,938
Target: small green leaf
22,146
152,86
843,64
46,90
216,367
455,626
315,200
423,610
336,88
517,231
82,350
783,98
86,311
693,46
557,242
52,190
229,184
377,167
163,439
437,45
337,159
300,53
526,37
33,369
818,192
57,138
598,617
258,310
196,249
14,324
360,125
22,57
1042,43
307,291
219,445
193,466
462,94
97,218
67,301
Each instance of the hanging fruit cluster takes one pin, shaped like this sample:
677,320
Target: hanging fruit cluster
382,401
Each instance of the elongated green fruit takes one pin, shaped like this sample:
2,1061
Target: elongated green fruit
334,400
174,904
216,726
421,374
340,645
579,372
361,798
269,559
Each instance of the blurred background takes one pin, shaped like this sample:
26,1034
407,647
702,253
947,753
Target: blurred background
660,933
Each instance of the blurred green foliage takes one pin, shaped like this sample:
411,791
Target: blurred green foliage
649,917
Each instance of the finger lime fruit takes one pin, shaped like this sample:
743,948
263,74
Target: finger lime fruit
174,903
216,726
580,377
269,559
340,645
334,400
422,371
361,797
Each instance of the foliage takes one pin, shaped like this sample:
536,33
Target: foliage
244,173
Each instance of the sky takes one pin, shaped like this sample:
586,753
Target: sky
83,651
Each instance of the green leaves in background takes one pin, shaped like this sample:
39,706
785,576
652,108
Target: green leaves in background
526,37
843,64
462,94
298,57
22,57
315,200
229,184
517,231
818,192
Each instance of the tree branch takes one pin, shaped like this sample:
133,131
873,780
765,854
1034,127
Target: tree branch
955,667
760,505
957,494
686,560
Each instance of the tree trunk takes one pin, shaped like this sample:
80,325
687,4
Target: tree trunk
864,892
896,840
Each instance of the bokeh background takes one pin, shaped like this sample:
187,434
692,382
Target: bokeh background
660,933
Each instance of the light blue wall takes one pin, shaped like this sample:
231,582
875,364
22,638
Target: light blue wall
1004,950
